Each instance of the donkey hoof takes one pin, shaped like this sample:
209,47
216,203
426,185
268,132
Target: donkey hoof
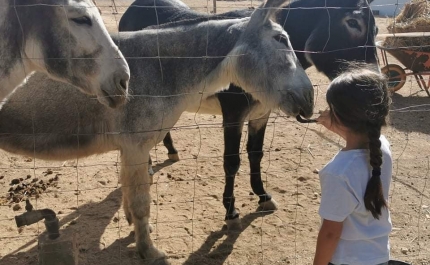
160,261
151,179
234,224
151,171
153,255
173,157
270,205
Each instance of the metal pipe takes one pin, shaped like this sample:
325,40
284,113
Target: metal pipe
52,223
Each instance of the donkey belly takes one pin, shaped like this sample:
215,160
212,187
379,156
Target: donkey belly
50,120
249,109
54,146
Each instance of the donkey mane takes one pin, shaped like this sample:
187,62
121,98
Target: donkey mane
187,22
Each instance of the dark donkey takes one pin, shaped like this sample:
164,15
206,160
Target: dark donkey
325,33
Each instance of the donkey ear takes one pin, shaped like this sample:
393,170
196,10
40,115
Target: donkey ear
265,11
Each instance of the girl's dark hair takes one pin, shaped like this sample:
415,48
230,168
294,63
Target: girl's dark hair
359,100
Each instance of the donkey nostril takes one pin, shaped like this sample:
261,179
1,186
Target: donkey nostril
123,84
121,80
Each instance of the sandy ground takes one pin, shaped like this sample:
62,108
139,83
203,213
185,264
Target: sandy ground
187,211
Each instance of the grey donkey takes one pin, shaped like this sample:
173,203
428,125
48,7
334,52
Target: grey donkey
172,69
65,39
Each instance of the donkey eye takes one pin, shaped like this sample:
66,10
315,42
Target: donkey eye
282,39
353,23
82,20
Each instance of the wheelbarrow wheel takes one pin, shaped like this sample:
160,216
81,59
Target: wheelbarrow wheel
396,76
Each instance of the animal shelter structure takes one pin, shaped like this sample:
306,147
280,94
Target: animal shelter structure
387,8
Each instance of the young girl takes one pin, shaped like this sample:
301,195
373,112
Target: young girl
355,183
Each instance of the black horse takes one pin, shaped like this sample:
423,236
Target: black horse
325,33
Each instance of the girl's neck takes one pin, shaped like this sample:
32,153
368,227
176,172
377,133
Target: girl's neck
355,141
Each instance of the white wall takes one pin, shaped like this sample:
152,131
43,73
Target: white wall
388,8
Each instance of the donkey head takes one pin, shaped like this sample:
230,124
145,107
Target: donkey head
267,66
345,31
67,40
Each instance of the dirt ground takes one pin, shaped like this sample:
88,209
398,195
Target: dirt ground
187,211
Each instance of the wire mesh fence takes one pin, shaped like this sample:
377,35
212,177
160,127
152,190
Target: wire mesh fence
187,213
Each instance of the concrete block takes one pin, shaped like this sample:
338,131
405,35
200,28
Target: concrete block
60,251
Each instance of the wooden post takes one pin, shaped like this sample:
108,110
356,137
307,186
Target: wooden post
214,6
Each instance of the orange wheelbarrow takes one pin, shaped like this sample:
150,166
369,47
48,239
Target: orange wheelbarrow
416,62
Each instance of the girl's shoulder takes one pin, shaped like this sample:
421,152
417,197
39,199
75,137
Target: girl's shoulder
384,140
385,145
345,162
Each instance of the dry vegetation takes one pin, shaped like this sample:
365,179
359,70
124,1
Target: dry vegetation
414,16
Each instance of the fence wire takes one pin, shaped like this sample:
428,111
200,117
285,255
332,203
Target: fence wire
187,214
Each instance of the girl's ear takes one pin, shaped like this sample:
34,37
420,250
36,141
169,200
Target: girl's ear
337,125
334,117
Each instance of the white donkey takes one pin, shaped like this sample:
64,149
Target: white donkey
172,68
65,39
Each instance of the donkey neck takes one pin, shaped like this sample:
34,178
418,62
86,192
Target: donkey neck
13,69
309,13
185,59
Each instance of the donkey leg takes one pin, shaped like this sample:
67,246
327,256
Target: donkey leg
256,131
232,135
128,215
234,106
172,153
136,185
150,170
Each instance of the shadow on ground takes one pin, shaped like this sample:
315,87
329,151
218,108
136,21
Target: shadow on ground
209,255
410,113
89,223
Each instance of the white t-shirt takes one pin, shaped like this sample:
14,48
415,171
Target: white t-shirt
364,239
